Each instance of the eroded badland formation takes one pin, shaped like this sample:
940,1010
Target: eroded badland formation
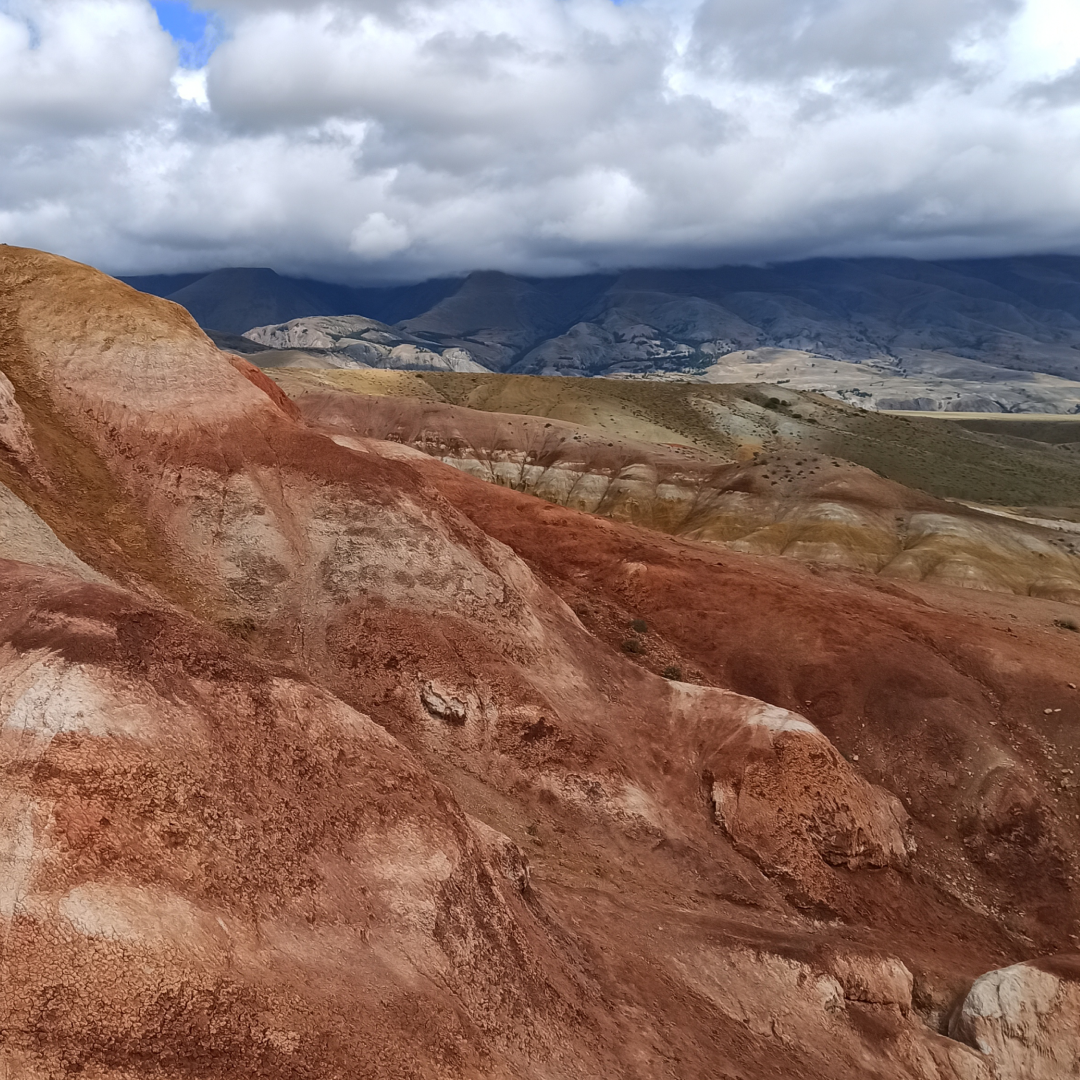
325,756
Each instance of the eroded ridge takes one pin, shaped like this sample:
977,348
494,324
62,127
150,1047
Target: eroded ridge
321,758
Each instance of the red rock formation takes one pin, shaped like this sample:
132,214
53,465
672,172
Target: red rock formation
795,502
320,758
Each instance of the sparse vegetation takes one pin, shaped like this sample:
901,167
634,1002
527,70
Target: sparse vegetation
976,460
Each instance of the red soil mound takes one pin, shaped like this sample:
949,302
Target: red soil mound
267,385
969,719
363,767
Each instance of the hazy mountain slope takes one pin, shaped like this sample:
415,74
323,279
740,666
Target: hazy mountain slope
1004,312
346,767
236,300
161,284
975,334
497,316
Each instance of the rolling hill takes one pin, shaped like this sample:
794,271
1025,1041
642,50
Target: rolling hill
323,756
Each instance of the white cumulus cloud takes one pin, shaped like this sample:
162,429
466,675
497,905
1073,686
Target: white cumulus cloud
378,237
77,66
376,139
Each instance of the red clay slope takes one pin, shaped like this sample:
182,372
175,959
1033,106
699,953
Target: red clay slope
269,800
794,501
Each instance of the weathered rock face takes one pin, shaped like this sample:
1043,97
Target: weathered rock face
875,980
792,791
319,758
187,835
781,791
349,340
1026,1019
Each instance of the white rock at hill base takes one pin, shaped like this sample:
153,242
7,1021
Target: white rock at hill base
1026,1018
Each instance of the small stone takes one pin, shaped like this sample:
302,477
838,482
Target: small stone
442,705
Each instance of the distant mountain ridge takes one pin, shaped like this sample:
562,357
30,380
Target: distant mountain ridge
987,334
237,299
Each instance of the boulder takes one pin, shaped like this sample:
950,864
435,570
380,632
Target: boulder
441,703
784,794
1026,1018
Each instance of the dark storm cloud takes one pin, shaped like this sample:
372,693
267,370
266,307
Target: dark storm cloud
399,139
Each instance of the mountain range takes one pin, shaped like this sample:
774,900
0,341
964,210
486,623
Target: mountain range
996,335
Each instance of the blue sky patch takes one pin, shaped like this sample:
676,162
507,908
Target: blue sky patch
196,32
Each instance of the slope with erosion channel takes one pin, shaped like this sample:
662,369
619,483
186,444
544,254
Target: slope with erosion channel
321,759
790,499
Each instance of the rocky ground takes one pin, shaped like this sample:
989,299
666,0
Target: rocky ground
323,758
351,341
916,381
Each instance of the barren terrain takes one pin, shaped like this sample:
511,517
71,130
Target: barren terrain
331,750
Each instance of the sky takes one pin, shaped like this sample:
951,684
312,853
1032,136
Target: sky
392,140
195,32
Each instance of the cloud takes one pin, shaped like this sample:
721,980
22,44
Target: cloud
404,138
889,48
1060,91
76,66
378,237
